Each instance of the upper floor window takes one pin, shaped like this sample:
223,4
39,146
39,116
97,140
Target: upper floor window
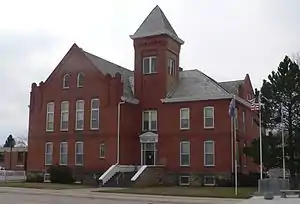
80,80
209,117
209,153
79,153
21,157
171,66
48,153
50,117
244,121
79,115
184,118
63,156
66,81
149,65
185,147
2,157
64,116
236,119
149,120
95,113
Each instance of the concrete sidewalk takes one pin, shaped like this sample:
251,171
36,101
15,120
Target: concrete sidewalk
87,193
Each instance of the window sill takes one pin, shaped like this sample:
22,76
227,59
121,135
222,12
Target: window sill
78,164
150,73
185,129
94,129
79,130
185,166
64,88
48,164
184,184
209,184
49,130
101,157
209,128
63,164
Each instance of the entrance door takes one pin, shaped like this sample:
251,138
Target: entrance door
149,157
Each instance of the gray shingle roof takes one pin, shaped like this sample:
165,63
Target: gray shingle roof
195,85
232,86
156,23
107,67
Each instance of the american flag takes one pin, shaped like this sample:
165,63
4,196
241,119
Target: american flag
254,105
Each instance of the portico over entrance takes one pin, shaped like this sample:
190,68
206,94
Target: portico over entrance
148,142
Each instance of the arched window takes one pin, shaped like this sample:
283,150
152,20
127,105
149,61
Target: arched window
66,81
80,80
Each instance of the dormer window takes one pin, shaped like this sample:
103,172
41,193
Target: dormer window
149,65
66,81
171,67
80,80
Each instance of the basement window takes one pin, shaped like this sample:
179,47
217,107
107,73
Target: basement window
184,180
209,181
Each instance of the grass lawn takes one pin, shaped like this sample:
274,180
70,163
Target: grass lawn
217,192
52,186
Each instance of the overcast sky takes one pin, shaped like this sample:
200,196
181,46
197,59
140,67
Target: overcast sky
224,39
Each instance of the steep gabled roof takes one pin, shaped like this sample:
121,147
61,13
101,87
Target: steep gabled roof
107,67
232,86
155,24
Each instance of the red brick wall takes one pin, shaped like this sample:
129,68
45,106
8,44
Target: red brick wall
11,160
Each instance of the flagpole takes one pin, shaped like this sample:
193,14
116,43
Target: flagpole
235,150
282,138
260,139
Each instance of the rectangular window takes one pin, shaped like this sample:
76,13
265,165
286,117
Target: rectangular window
50,117
102,151
149,65
79,153
209,153
209,181
21,157
48,153
244,121
64,116
2,157
63,158
185,153
79,115
184,180
236,119
95,105
171,67
150,120
184,118
209,117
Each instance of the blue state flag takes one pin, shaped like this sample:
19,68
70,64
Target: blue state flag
231,108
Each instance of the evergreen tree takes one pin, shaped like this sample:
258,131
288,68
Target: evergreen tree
10,142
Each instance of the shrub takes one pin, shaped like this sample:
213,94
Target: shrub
60,174
35,177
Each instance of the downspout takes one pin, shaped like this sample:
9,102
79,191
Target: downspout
118,131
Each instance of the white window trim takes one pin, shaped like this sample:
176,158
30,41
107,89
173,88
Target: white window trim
213,117
171,66
98,111
184,184
47,153
62,154
150,64
64,81
76,153
236,119
78,75
78,111
244,121
149,120
100,147
245,157
62,113
213,153
209,184
181,118
180,154
47,116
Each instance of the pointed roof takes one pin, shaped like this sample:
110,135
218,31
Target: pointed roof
156,23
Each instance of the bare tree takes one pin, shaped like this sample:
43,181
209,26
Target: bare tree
296,57
21,141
